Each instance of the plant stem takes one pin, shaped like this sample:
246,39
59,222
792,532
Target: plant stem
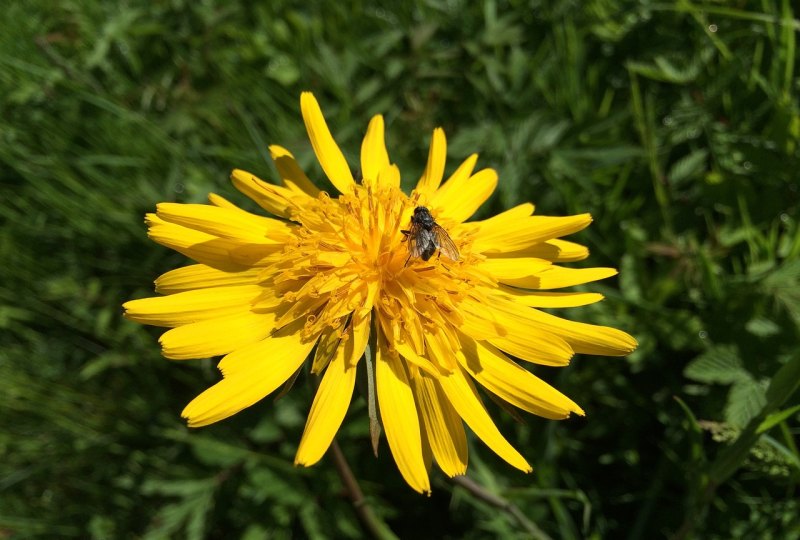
499,502
372,523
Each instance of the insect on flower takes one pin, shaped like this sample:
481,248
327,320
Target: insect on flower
425,236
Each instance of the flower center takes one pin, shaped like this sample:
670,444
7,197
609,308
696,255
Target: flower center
350,256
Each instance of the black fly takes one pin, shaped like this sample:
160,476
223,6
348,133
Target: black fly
425,236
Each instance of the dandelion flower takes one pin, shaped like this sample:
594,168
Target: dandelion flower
322,275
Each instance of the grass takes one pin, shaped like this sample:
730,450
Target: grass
676,124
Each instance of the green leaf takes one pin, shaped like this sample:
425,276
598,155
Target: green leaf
695,433
761,327
719,364
784,285
782,386
746,398
283,70
664,70
784,383
776,418
189,513
688,166
255,531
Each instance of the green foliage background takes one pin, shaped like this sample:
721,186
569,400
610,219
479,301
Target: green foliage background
675,123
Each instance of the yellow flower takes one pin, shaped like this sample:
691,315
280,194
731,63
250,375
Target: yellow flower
328,271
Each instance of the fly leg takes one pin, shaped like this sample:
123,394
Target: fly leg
439,254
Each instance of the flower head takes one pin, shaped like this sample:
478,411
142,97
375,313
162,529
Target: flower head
325,273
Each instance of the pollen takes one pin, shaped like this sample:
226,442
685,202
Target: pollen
351,257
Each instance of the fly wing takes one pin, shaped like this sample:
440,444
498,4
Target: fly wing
412,235
445,243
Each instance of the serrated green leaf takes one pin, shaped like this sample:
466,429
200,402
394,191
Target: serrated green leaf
786,274
783,284
783,384
688,166
719,364
746,398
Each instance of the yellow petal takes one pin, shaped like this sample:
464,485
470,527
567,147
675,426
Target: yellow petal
512,215
551,299
400,421
583,338
222,202
286,344
261,368
277,229
535,345
439,346
352,344
500,236
201,247
198,276
476,326
510,382
427,453
454,184
554,250
301,308
225,222
464,398
421,362
357,344
221,253
556,277
465,201
588,338
290,172
434,170
389,176
499,221
374,157
277,200
328,410
515,333
325,351
192,306
329,155
509,269
444,427
216,336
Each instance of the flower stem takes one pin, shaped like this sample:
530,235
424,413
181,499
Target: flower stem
372,523
499,502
